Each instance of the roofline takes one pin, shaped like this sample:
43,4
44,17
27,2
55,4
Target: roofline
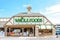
4,17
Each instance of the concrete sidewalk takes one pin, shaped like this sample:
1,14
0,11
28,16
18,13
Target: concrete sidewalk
29,38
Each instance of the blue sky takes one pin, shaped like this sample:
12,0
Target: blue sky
49,8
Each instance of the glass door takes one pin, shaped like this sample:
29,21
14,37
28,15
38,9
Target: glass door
26,32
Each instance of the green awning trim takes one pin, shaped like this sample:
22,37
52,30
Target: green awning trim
40,26
45,27
51,26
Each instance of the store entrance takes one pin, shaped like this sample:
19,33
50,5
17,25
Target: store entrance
28,32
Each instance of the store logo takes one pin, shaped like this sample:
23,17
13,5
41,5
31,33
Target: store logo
22,19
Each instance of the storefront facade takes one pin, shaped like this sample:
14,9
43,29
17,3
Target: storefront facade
29,24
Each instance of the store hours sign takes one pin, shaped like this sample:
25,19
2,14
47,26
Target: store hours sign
28,20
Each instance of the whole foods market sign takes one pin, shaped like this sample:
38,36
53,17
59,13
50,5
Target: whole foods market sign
28,19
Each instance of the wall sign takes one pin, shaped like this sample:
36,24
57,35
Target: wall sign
22,19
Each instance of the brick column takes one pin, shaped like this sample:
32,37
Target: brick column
5,31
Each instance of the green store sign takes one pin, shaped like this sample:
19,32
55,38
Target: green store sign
22,19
